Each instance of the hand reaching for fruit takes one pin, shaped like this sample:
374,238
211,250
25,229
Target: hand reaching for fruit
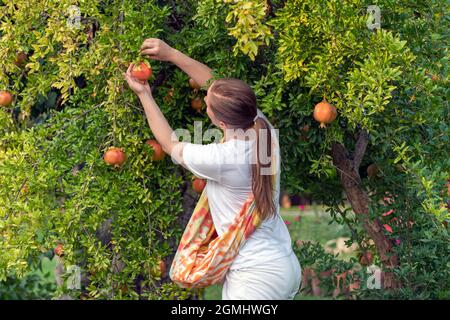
135,81
156,49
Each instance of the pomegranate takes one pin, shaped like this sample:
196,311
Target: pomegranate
141,71
114,156
6,98
324,113
21,57
158,153
372,170
59,250
198,185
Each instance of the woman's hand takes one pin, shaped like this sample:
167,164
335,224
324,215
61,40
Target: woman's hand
157,49
138,86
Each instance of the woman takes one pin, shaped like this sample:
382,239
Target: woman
265,266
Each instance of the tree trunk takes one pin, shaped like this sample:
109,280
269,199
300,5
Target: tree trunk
348,168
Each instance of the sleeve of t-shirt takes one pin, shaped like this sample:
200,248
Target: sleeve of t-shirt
203,160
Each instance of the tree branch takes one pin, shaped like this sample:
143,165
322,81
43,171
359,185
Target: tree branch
341,157
360,148
161,77
270,10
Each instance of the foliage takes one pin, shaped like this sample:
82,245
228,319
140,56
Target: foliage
71,104
36,285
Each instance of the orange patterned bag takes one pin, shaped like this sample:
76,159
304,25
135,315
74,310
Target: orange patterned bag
203,258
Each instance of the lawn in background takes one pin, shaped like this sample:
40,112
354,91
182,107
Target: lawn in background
38,284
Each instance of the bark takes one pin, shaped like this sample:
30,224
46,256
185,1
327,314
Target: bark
270,12
348,166
161,77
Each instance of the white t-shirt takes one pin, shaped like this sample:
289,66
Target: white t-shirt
229,184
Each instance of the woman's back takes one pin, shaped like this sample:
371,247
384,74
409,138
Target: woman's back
228,171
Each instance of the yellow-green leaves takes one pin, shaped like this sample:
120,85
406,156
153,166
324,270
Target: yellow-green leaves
250,29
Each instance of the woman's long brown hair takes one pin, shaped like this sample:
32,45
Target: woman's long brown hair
234,102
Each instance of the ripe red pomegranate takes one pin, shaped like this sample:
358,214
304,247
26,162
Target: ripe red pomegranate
6,98
115,157
59,250
158,153
141,71
324,113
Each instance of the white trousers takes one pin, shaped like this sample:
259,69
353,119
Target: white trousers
278,279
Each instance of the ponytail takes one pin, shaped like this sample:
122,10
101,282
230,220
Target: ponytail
234,102
262,173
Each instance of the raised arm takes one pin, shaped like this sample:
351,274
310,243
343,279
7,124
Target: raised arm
156,119
159,50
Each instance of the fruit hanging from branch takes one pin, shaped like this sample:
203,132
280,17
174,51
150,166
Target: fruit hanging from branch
59,250
20,59
158,153
324,113
372,170
141,71
6,98
115,156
